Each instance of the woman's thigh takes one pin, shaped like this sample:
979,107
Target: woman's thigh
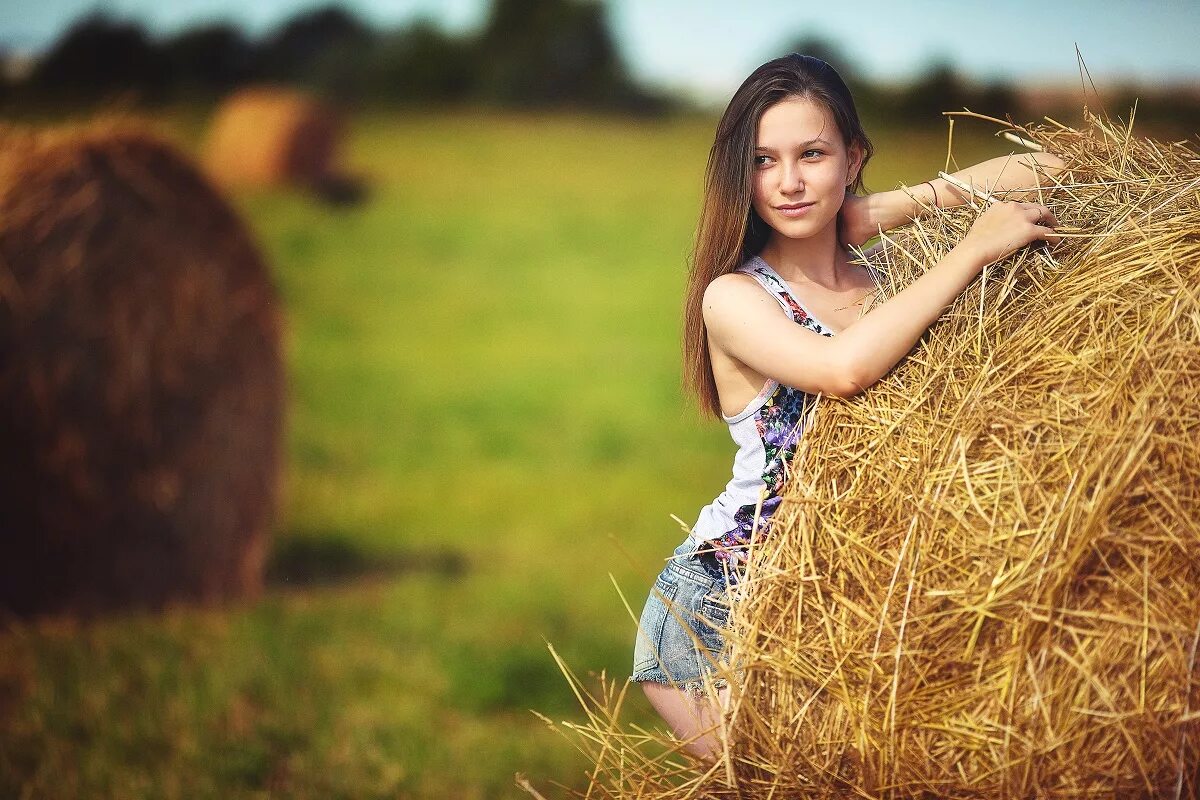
696,718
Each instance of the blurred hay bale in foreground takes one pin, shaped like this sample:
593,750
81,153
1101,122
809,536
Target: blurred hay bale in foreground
141,384
269,136
983,581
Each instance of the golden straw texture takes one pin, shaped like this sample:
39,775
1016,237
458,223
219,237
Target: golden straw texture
985,578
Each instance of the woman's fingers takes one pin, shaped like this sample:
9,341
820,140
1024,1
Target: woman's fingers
1044,220
1008,225
1039,214
1043,216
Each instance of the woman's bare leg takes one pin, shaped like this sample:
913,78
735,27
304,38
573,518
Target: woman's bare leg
689,715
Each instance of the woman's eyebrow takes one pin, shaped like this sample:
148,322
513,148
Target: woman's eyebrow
810,142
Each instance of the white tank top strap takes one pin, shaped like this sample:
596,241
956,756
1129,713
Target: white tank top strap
770,281
778,288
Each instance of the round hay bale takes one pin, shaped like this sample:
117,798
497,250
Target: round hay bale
269,136
983,580
141,387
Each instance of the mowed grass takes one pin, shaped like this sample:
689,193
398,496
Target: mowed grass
484,425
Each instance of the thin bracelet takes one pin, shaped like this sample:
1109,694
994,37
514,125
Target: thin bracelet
936,204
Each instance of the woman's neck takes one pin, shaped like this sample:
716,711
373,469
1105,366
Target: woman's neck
817,259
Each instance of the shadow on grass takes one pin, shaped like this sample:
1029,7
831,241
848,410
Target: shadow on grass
330,558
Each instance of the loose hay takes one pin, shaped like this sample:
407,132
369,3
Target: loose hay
269,136
141,386
983,581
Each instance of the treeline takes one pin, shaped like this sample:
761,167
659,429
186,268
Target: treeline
940,87
529,53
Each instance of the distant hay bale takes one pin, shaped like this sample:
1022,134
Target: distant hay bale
985,579
269,136
141,386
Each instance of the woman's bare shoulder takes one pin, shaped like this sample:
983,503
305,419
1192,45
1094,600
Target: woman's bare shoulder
732,287
732,299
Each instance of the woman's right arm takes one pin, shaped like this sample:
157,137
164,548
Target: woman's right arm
741,321
866,215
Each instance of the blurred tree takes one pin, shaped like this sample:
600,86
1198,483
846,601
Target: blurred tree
938,89
300,49
98,56
210,59
5,81
553,52
997,99
423,63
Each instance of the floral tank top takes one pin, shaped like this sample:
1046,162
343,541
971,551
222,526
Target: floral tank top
766,432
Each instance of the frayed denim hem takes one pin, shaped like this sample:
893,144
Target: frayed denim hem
697,689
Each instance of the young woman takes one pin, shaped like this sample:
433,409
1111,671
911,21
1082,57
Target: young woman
775,315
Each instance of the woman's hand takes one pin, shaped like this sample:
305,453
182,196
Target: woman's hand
858,225
863,217
1006,227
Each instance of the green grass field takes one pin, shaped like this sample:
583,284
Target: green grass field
484,424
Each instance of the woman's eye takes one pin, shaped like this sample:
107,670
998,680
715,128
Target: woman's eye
762,161
812,153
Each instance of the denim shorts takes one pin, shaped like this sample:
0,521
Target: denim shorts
679,639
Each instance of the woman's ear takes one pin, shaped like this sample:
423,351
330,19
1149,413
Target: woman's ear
855,159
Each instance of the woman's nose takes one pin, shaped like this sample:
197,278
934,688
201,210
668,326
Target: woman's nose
792,181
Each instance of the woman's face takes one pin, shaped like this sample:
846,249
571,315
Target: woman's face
801,168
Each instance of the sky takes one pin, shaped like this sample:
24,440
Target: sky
706,47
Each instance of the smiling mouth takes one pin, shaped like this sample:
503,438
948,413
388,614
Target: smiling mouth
794,208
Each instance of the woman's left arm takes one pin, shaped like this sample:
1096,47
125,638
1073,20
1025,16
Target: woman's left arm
863,217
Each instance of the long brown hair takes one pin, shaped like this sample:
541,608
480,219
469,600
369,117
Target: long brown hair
730,231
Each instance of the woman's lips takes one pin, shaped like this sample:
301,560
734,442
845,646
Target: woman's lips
794,209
